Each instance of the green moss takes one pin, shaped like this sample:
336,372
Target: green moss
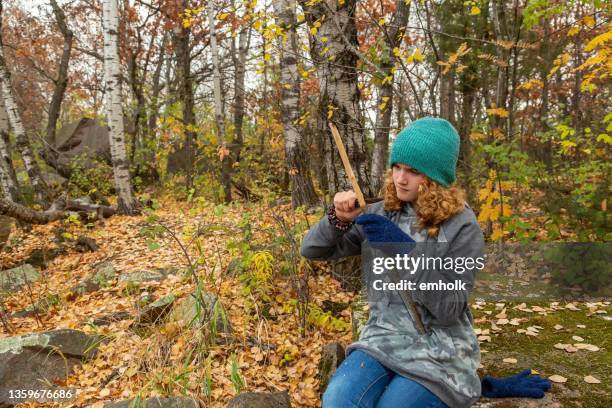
538,352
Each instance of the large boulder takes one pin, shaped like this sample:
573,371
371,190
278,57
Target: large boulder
155,402
78,145
13,279
261,400
36,361
196,311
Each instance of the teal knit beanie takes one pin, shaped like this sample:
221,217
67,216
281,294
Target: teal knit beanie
430,146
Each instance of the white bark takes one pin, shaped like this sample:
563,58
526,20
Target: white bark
112,85
8,180
302,192
23,144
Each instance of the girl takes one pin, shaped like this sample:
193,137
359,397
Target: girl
396,363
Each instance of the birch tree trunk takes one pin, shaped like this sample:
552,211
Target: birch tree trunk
22,142
126,204
332,48
226,168
302,190
8,178
385,98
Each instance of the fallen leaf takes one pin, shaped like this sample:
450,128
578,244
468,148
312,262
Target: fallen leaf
582,326
591,380
577,338
510,360
557,378
558,327
503,321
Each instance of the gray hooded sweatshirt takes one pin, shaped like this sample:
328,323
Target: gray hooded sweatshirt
445,359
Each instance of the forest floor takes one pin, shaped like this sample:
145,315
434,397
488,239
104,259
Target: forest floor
243,254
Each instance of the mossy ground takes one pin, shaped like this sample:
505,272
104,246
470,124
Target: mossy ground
538,352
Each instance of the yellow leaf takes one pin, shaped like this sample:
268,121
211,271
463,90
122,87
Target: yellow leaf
475,11
477,136
387,79
417,55
589,21
573,31
599,40
497,234
223,16
396,52
381,22
300,18
313,30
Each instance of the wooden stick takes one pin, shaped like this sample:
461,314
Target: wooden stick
349,171
347,165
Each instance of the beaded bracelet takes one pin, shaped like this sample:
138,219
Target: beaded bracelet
336,222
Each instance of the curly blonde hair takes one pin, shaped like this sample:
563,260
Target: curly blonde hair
434,204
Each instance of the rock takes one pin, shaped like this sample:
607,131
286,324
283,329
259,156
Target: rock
334,307
13,279
191,312
103,274
42,257
53,179
547,402
6,224
86,244
156,275
50,356
155,402
359,316
261,400
552,399
331,357
155,311
348,272
111,318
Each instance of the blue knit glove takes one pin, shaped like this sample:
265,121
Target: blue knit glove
382,233
519,385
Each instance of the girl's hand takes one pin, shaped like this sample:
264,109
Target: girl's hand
345,205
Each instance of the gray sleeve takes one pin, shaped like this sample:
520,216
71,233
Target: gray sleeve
447,307
325,242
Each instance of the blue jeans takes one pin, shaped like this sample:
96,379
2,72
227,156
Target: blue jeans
362,382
